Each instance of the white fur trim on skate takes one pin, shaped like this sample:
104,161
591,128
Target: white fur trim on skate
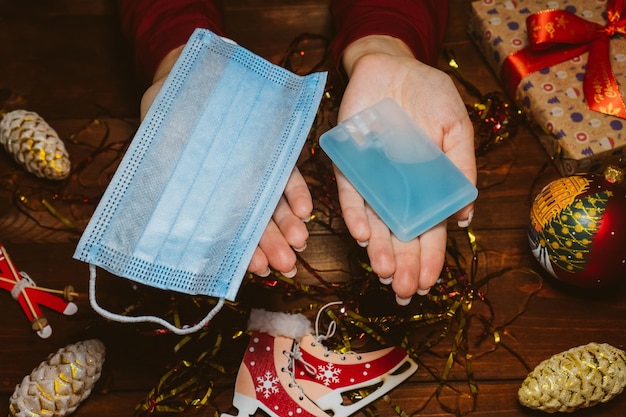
294,326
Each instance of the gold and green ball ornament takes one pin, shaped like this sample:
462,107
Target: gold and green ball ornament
34,144
578,378
578,228
59,384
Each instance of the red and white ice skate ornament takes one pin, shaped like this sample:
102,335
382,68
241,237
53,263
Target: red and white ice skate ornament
337,373
287,372
31,298
327,376
265,381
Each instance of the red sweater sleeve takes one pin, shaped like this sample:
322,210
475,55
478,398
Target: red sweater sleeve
155,27
421,24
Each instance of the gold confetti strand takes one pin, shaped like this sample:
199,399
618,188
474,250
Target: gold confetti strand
201,400
56,213
159,394
343,331
21,202
345,345
460,343
449,315
471,237
362,324
175,393
370,411
461,307
307,289
204,400
497,332
156,399
456,70
212,354
495,118
443,382
183,341
153,397
394,406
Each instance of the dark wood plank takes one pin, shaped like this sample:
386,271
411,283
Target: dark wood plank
85,48
68,61
280,22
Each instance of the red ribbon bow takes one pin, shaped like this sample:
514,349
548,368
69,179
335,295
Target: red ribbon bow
556,36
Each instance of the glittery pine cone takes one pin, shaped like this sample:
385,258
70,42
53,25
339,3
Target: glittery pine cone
577,378
34,144
57,386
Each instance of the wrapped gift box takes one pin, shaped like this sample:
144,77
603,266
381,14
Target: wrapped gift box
578,139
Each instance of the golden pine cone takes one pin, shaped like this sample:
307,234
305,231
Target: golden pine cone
58,385
577,378
34,144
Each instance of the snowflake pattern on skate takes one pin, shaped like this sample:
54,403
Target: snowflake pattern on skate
267,384
328,374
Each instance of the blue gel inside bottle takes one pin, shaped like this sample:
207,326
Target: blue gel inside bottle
406,179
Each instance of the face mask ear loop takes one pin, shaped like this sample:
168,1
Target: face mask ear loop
146,319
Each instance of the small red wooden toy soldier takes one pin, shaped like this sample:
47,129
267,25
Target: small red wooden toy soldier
31,297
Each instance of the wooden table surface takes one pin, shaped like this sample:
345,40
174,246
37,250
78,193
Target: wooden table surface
67,61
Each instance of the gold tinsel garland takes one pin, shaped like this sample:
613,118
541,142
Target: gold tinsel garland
206,367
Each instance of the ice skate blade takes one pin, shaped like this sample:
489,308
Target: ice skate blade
334,401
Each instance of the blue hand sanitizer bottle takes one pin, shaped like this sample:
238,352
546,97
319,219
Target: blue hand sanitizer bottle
406,179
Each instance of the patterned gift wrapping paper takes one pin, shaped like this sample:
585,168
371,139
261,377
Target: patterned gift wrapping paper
580,140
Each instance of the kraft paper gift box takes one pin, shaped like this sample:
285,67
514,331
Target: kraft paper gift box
579,140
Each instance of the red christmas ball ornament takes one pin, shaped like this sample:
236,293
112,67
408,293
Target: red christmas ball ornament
578,228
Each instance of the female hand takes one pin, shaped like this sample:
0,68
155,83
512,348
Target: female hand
378,67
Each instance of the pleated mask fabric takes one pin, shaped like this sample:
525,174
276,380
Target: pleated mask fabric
198,185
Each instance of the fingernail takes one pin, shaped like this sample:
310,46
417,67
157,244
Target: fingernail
307,219
300,249
423,292
403,301
363,244
265,273
466,223
290,274
385,281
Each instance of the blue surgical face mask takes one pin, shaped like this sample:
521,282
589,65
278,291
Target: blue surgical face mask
200,181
